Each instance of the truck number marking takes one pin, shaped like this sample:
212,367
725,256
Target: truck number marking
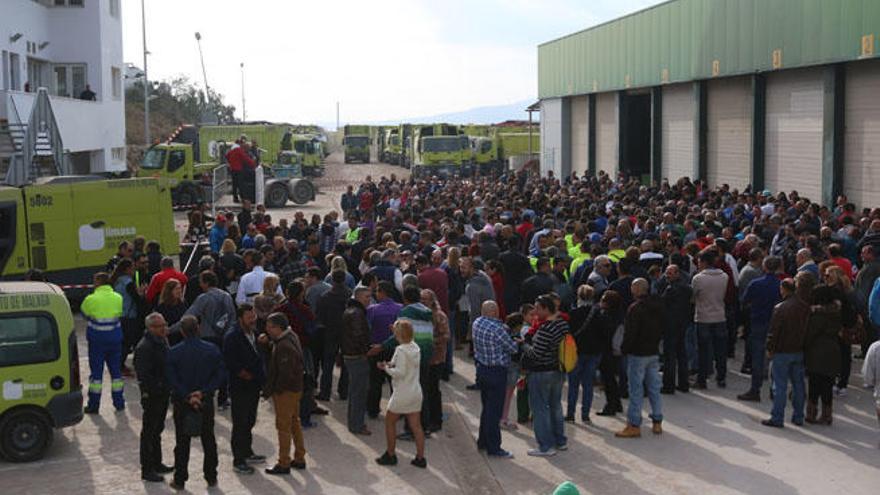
40,200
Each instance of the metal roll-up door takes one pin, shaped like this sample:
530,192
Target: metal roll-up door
551,136
861,169
729,139
606,133
793,157
579,126
678,144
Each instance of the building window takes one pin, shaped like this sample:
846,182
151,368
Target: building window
68,3
116,75
118,154
38,73
114,8
14,72
70,79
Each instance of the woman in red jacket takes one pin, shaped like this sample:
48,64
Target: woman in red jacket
496,273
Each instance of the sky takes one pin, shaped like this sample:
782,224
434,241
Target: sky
380,59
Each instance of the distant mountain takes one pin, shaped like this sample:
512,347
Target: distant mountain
479,115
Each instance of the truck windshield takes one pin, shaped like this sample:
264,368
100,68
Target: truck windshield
451,143
357,141
154,159
299,146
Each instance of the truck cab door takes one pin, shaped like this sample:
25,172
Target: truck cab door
14,253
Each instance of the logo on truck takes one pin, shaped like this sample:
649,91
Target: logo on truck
94,236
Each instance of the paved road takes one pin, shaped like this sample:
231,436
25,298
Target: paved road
712,444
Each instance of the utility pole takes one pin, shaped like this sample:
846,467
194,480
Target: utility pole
146,79
243,111
204,74
337,116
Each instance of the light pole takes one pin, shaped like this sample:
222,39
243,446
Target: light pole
204,73
243,110
146,79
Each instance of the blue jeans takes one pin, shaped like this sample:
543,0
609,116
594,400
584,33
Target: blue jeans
359,369
758,351
583,376
493,385
644,373
712,340
690,345
787,367
545,401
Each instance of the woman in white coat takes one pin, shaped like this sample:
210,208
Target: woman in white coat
406,399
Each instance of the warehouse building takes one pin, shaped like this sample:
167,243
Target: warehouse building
780,94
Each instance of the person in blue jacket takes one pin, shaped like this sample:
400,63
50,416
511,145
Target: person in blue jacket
195,371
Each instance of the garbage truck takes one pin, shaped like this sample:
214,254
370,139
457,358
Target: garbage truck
193,183
356,143
439,149
69,226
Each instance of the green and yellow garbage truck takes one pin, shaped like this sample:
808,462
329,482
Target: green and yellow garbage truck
191,182
439,149
39,369
69,227
356,143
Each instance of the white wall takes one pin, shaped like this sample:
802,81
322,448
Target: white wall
89,35
551,136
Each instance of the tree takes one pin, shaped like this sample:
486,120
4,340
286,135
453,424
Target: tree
172,103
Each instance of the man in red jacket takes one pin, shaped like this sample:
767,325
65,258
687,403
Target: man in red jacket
158,281
237,158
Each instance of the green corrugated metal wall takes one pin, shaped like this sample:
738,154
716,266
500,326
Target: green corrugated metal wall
685,37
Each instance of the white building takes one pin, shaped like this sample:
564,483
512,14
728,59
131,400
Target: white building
65,46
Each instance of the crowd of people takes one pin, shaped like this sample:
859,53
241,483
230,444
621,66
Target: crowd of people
655,286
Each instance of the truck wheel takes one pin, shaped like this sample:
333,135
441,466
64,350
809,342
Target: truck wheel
25,435
301,191
276,195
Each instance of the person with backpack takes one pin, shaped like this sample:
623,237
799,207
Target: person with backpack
643,330
541,360
587,321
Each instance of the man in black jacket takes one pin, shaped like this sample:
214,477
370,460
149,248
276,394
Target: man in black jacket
516,270
355,342
244,364
676,295
539,284
329,312
149,362
642,332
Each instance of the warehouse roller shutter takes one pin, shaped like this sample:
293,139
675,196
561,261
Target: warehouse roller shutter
606,133
861,169
678,134
579,128
729,132
793,157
